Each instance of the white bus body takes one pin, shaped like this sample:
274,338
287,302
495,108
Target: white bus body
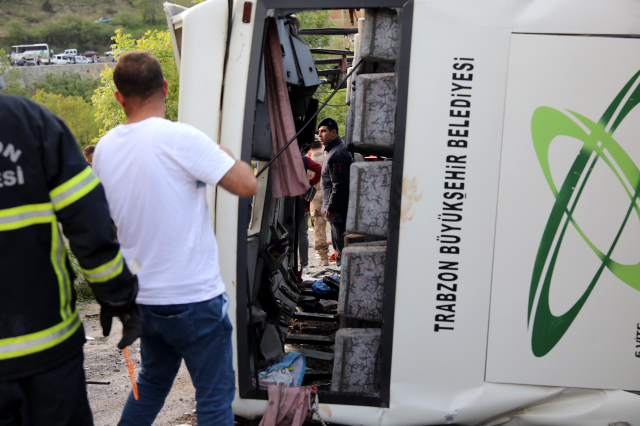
33,51
521,344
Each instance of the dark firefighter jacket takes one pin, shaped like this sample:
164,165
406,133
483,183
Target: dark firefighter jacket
44,180
335,180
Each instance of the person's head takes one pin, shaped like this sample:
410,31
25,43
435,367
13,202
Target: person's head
316,146
327,130
88,153
140,83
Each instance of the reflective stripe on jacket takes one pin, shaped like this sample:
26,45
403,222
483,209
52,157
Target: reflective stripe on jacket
44,182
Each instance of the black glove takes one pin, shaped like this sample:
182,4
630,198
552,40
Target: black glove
129,314
310,194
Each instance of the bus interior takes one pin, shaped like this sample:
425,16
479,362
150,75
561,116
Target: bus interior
347,345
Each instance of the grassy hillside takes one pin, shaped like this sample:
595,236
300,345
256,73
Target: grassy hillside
65,24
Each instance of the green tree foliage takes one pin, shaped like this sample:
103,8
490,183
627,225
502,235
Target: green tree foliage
126,19
17,33
47,6
68,84
71,31
12,84
319,19
108,112
35,18
75,112
150,10
336,108
12,77
66,31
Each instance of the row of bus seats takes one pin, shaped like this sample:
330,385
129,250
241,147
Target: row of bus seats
370,131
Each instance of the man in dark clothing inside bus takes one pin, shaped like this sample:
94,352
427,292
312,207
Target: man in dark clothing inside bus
335,182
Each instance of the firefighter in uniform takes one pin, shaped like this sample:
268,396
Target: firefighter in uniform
44,180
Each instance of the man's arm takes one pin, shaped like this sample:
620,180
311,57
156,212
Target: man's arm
213,164
239,180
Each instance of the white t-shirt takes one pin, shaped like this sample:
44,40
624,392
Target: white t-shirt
153,173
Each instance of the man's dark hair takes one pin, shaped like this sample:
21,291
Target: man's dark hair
330,123
88,150
316,145
138,75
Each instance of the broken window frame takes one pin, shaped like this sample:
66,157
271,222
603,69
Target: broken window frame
247,389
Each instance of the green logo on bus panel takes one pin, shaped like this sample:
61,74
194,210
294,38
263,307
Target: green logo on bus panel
599,145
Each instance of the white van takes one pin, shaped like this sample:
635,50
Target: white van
82,60
509,290
61,60
70,52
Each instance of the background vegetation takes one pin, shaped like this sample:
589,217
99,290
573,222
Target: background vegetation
89,107
69,84
77,114
68,24
12,77
68,95
108,112
336,108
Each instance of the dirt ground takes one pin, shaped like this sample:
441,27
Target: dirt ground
314,258
104,362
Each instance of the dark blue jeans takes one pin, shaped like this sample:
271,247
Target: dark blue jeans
200,334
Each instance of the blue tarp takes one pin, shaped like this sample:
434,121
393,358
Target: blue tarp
320,287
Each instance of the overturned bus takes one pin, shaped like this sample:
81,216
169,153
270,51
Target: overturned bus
491,273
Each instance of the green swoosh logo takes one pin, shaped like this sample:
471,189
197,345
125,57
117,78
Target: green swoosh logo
546,124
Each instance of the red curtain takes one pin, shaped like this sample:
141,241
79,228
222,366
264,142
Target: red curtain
288,177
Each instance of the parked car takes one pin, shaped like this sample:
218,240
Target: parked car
104,20
24,62
109,54
70,52
92,54
82,60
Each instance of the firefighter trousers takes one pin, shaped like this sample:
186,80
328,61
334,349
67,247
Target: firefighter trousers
56,397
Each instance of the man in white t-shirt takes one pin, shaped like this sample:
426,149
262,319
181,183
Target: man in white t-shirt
154,172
